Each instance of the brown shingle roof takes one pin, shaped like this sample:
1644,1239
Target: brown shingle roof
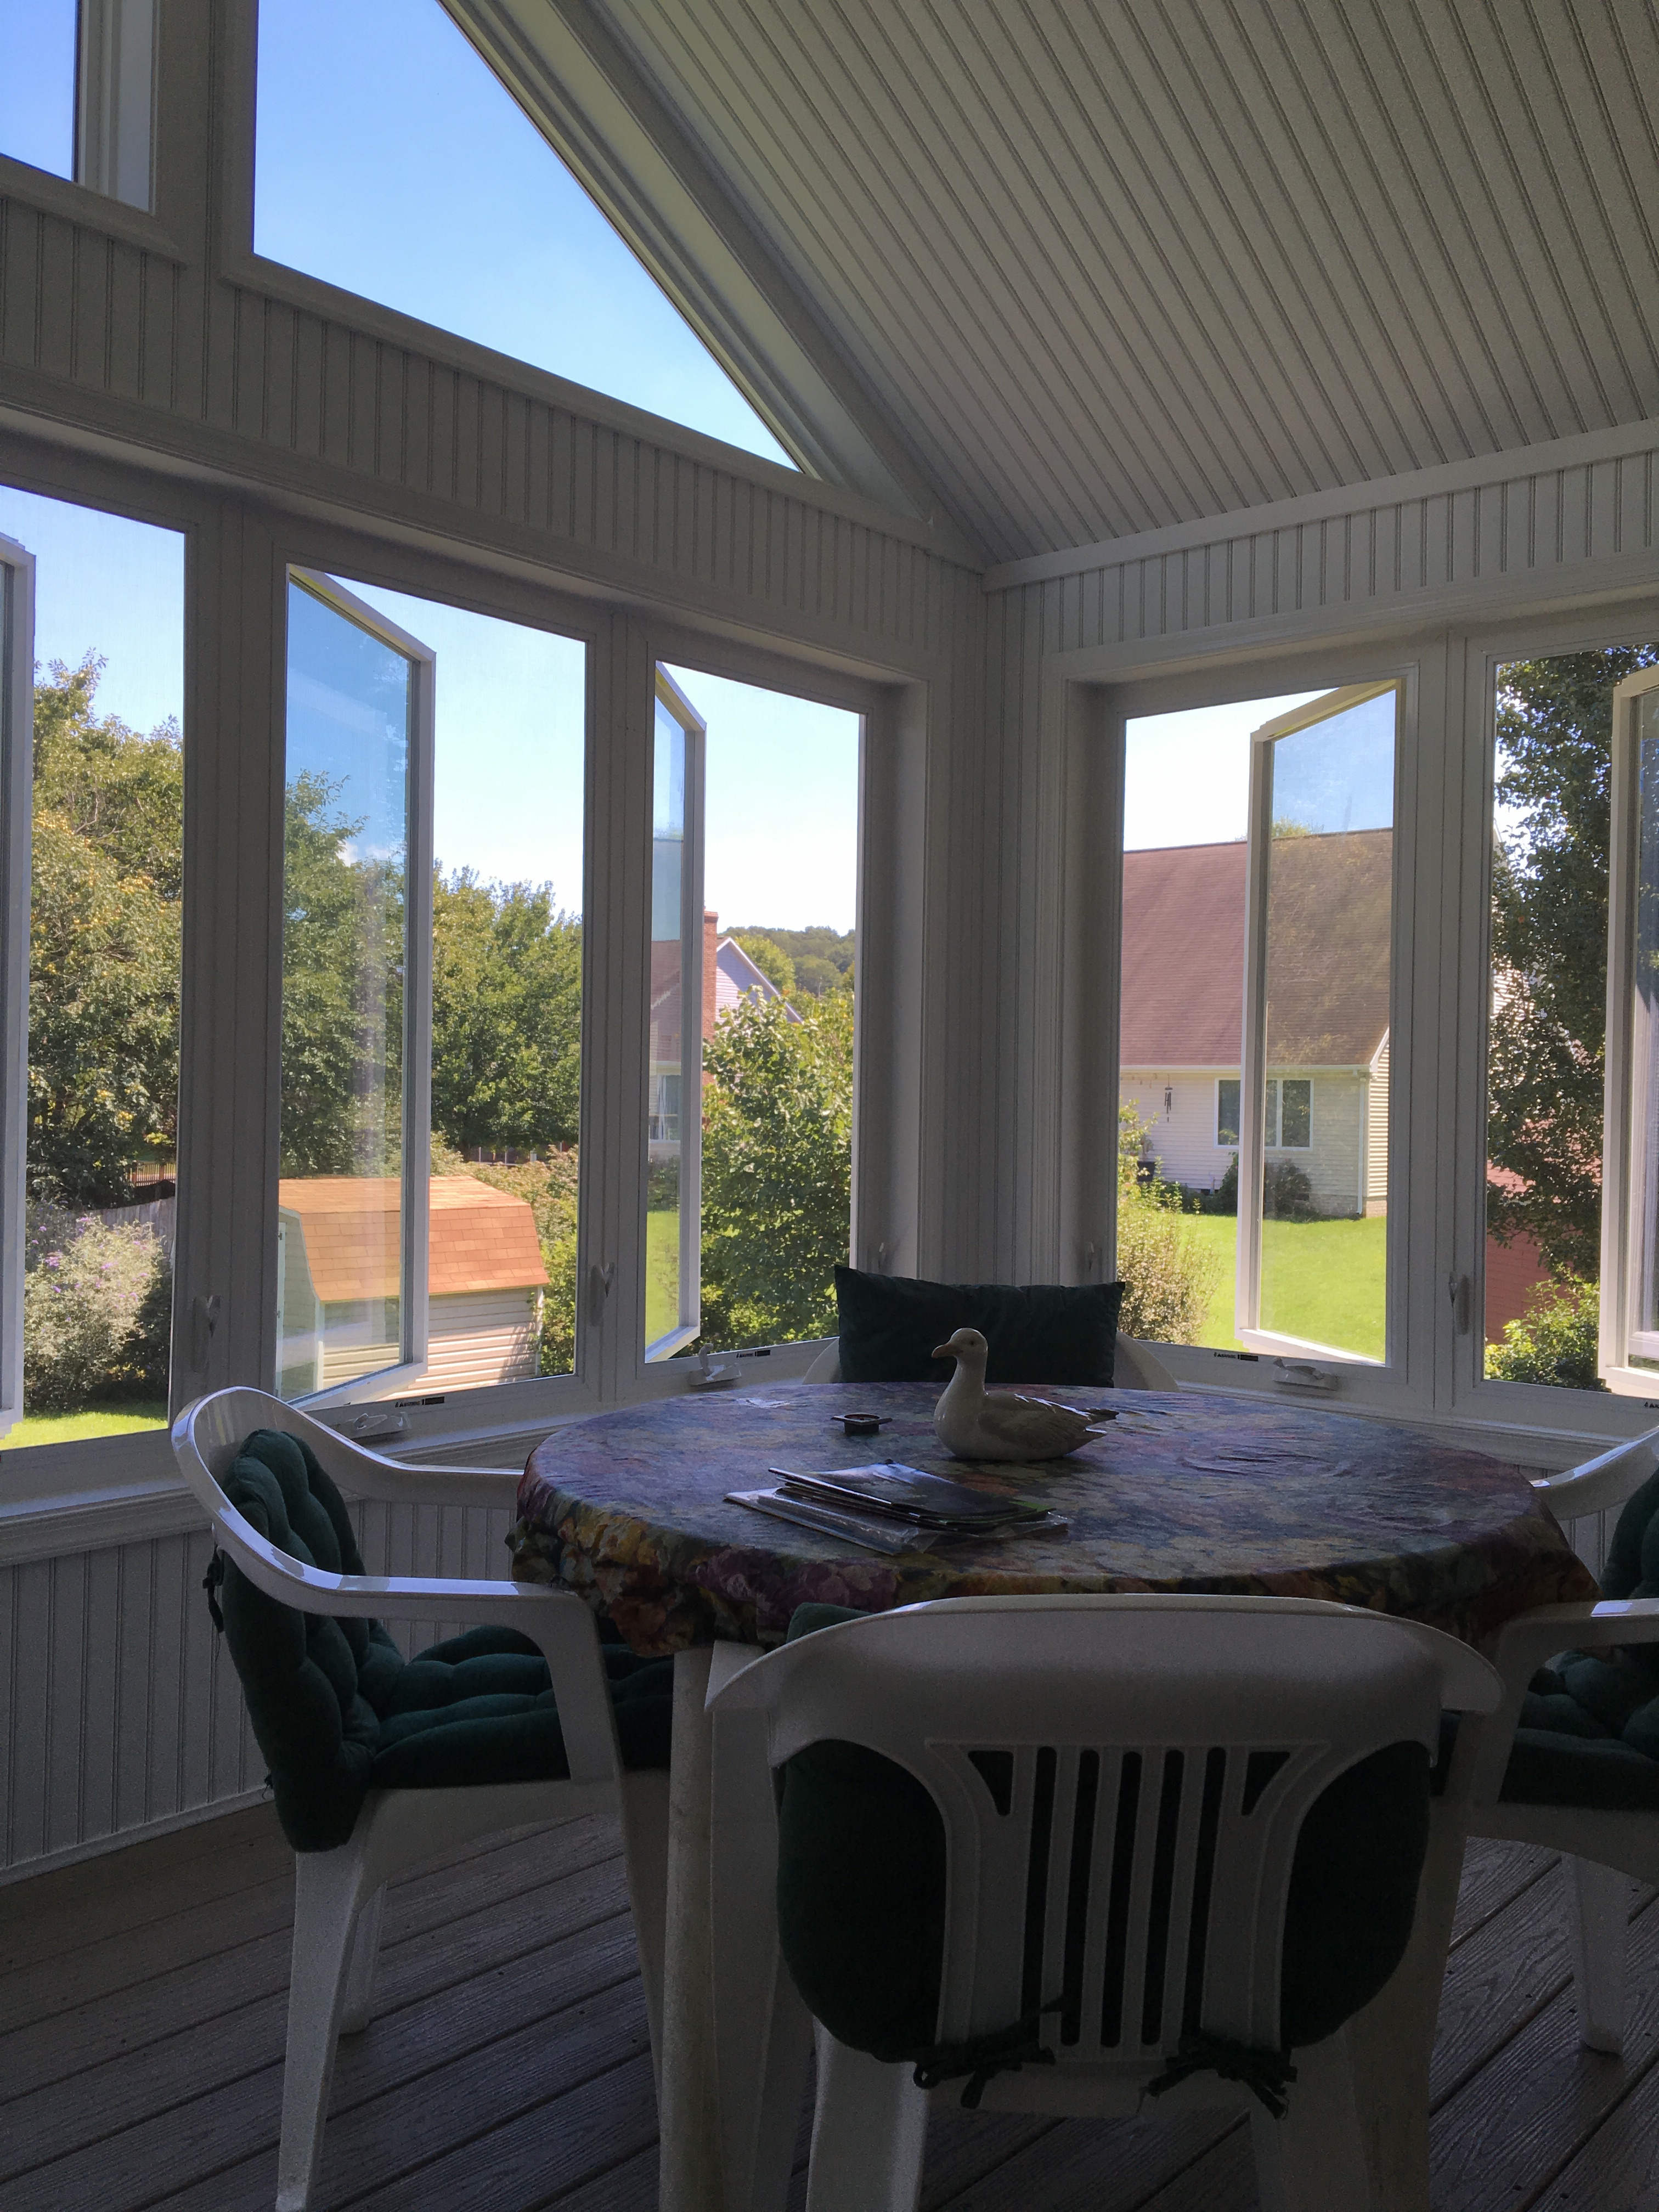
1183,952
482,1239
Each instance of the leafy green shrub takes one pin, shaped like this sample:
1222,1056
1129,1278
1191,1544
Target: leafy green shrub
1286,1193
1168,1279
97,1308
1555,1339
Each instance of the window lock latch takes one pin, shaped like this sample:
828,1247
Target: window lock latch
1302,1375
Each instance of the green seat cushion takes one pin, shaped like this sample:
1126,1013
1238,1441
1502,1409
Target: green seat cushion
861,1872
1588,1729
337,1710
1037,1333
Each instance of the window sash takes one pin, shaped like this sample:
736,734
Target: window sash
416,1196
1630,1170
1258,1112
17,785
687,1084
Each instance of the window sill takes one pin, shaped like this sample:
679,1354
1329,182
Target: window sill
58,1499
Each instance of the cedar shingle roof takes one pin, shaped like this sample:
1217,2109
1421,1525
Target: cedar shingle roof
1183,952
482,1239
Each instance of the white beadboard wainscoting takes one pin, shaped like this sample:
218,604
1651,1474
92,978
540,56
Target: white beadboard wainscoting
120,1709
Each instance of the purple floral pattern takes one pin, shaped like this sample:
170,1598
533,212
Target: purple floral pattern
1208,1493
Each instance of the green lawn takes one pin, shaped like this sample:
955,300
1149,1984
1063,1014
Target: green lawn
1322,1280
98,1421
662,1273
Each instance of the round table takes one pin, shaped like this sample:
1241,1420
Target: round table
1185,1492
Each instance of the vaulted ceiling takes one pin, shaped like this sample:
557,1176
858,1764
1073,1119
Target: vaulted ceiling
1097,266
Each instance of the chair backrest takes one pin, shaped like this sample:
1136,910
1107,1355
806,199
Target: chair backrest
1599,1485
1121,1781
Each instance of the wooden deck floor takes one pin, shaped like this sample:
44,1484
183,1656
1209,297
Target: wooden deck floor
141,2002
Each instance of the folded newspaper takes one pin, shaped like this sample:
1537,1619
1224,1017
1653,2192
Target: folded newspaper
891,1507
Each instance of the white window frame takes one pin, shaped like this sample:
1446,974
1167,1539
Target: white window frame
1629,1102
416,1203
689,1315
115,102
1253,1099
17,796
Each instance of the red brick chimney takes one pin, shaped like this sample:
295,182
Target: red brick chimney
711,937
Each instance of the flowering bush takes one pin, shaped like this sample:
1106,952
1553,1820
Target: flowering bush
97,1304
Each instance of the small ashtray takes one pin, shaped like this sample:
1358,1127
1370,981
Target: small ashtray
862,1424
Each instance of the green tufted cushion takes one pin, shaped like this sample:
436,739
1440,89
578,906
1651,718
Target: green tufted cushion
338,1711
861,1889
1589,1730
1037,1333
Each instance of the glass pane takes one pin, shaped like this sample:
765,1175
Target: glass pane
37,82
107,880
1644,1071
1330,903
391,161
341,1232
665,1306
1545,1062
781,798
1187,792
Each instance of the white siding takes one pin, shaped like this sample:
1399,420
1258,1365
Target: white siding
1376,1137
1183,1135
473,1337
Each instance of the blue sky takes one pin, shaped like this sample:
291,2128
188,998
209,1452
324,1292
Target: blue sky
37,82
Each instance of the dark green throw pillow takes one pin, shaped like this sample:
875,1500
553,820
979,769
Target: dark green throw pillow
861,1877
1037,1333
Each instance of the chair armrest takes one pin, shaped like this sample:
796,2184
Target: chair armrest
1607,1480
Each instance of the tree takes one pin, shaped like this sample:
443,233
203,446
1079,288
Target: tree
1549,926
769,957
507,985
777,1170
104,945
1169,1279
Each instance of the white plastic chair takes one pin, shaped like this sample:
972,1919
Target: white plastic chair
1137,1366
1073,1679
338,1894
1604,1850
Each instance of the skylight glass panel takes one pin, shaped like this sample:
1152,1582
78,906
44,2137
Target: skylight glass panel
392,163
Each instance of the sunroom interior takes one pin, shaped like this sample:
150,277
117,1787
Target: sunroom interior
1086,373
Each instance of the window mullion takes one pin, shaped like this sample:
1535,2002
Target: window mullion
16,755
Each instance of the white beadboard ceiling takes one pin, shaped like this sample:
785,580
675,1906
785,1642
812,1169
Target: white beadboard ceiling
1102,266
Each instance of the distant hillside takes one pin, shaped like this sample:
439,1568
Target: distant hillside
820,956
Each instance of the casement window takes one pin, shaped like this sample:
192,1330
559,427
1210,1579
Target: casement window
1287,1113
749,1078
77,92
1319,918
16,729
1629,1325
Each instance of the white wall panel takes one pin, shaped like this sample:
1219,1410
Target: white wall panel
119,1708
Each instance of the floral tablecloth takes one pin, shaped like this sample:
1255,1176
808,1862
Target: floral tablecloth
1185,1492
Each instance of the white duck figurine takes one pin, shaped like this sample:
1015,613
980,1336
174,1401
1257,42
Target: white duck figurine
975,1422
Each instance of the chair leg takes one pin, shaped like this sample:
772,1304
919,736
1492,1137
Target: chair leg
645,1850
1314,2159
1598,1916
327,1890
359,1967
869,2133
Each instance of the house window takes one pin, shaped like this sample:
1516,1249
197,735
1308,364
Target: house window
432,996
390,160
92,656
77,92
753,934
1287,1113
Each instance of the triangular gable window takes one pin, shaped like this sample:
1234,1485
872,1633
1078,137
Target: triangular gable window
392,163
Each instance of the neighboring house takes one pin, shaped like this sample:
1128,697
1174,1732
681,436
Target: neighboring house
1328,1045
337,1281
729,977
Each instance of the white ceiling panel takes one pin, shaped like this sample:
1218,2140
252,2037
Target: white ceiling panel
1105,265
